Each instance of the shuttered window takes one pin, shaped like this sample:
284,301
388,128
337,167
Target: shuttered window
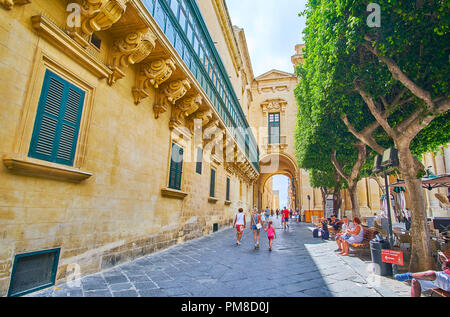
57,121
176,167
212,187
228,189
198,167
274,128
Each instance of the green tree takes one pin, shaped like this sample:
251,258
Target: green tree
323,143
390,84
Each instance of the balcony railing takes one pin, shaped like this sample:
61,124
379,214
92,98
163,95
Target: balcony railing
282,140
182,23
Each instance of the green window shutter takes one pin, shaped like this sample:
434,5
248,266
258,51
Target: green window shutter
57,121
228,189
274,128
199,164
176,167
212,191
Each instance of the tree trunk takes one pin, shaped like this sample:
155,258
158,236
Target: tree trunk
353,193
421,252
337,202
324,200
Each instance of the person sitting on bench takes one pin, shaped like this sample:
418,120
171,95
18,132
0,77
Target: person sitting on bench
346,225
335,223
425,281
325,234
353,236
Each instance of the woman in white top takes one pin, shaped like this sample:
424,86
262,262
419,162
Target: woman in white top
355,235
239,222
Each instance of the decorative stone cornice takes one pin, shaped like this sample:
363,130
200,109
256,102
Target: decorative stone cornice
230,40
23,165
48,30
168,95
153,73
8,4
133,49
172,193
97,15
205,116
184,108
274,105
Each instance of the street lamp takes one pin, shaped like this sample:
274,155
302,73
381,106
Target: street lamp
383,163
309,206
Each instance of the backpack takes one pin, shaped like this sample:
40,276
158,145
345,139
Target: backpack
315,233
325,235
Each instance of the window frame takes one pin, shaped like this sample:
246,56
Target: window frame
18,160
228,189
199,161
276,119
40,113
212,183
178,180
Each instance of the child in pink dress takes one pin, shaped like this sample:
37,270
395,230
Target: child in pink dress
271,234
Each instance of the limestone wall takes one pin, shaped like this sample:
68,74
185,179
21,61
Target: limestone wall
118,214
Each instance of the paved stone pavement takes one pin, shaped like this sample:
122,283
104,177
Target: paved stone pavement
213,266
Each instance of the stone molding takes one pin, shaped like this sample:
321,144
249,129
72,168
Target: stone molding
274,105
8,4
213,200
184,108
205,115
47,29
228,32
130,50
173,193
28,166
152,73
97,15
168,95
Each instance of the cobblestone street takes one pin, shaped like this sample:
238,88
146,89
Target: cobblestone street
213,266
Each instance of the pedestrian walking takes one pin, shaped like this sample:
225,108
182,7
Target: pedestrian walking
271,234
285,220
267,214
239,223
256,225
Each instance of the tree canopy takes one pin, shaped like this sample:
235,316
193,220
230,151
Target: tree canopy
381,85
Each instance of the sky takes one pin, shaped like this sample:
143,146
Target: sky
281,183
272,29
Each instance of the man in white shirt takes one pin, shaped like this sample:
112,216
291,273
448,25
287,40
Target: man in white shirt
345,226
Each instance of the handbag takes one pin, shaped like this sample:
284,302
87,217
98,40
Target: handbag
258,226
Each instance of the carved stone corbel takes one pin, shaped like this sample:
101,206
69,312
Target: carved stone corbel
228,144
132,49
96,15
168,95
205,116
212,128
230,153
184,108
8,4
153,74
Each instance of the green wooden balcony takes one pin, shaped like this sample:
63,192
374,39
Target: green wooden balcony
182,23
